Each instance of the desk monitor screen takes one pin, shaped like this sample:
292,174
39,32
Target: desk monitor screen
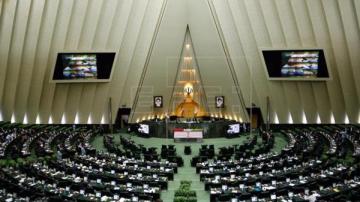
83,67
296,64
135,198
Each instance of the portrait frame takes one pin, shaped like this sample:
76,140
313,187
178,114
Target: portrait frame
219,101
158,101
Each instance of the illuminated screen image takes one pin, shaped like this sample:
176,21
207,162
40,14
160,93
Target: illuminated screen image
303,64
83,66
80,66
144,128
234,129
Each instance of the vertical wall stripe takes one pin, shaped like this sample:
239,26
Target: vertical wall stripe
29,54
342,59
41,61
15,57
6,34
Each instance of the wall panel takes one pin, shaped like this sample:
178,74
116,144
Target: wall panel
41,61
237,52
321,32
291,38
6,35
33,32
47,106
274,39
28,61
76,31
352,36
342,59
312,102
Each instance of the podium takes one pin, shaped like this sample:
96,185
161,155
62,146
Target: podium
181,135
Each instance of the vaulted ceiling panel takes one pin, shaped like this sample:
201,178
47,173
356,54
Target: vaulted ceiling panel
28,59
149,34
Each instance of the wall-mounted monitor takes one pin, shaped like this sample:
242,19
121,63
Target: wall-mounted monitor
83,67
233,129
296,64
144,129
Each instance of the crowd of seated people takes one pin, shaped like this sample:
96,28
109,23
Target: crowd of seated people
19,141
150,154
169,152
12,139
343,136
300,172
76,172
237,150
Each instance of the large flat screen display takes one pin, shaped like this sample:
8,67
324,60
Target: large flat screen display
296,64
83,67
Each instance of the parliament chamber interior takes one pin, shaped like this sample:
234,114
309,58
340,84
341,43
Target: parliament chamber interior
180,100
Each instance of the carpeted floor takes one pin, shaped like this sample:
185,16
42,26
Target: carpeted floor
187,172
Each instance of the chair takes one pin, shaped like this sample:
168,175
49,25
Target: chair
244,196
187,150
224,197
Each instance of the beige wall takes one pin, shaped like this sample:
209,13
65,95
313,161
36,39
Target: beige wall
33,31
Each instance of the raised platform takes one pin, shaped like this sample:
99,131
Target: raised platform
188,135
210,129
